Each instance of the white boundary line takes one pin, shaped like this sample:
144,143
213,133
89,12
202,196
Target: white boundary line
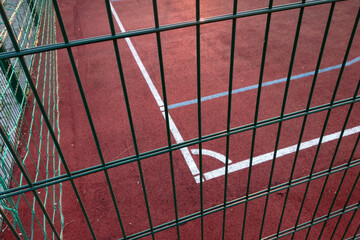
174,130
281,152
185,151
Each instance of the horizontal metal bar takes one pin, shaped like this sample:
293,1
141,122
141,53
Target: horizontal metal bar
273,189
162,28
356,237
220,207
163,150
342,167
318,220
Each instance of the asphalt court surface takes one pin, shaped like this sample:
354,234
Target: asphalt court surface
99,74
96,64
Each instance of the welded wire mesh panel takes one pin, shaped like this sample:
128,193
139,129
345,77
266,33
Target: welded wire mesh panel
183,119
27,152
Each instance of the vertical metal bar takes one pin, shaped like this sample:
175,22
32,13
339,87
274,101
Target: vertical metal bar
41,107
307,109
78,81
231,74
57,11
10,75
343,210
19,164
163,85
198,73
357,230
255,123
21,228
347,227
342,180
328,115
4,217
127,103
91,123
2,132
292,59
331,165
260,82
26,106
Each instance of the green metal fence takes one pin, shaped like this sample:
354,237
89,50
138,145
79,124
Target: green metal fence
24,137
30,132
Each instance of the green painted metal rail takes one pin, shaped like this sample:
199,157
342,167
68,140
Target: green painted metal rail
37,98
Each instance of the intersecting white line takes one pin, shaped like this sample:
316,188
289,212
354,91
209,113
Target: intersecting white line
233,167
281,152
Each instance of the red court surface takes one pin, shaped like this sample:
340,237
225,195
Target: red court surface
100,78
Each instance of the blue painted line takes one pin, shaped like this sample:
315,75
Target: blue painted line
223,94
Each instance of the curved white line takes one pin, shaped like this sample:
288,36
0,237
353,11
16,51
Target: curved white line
210,153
